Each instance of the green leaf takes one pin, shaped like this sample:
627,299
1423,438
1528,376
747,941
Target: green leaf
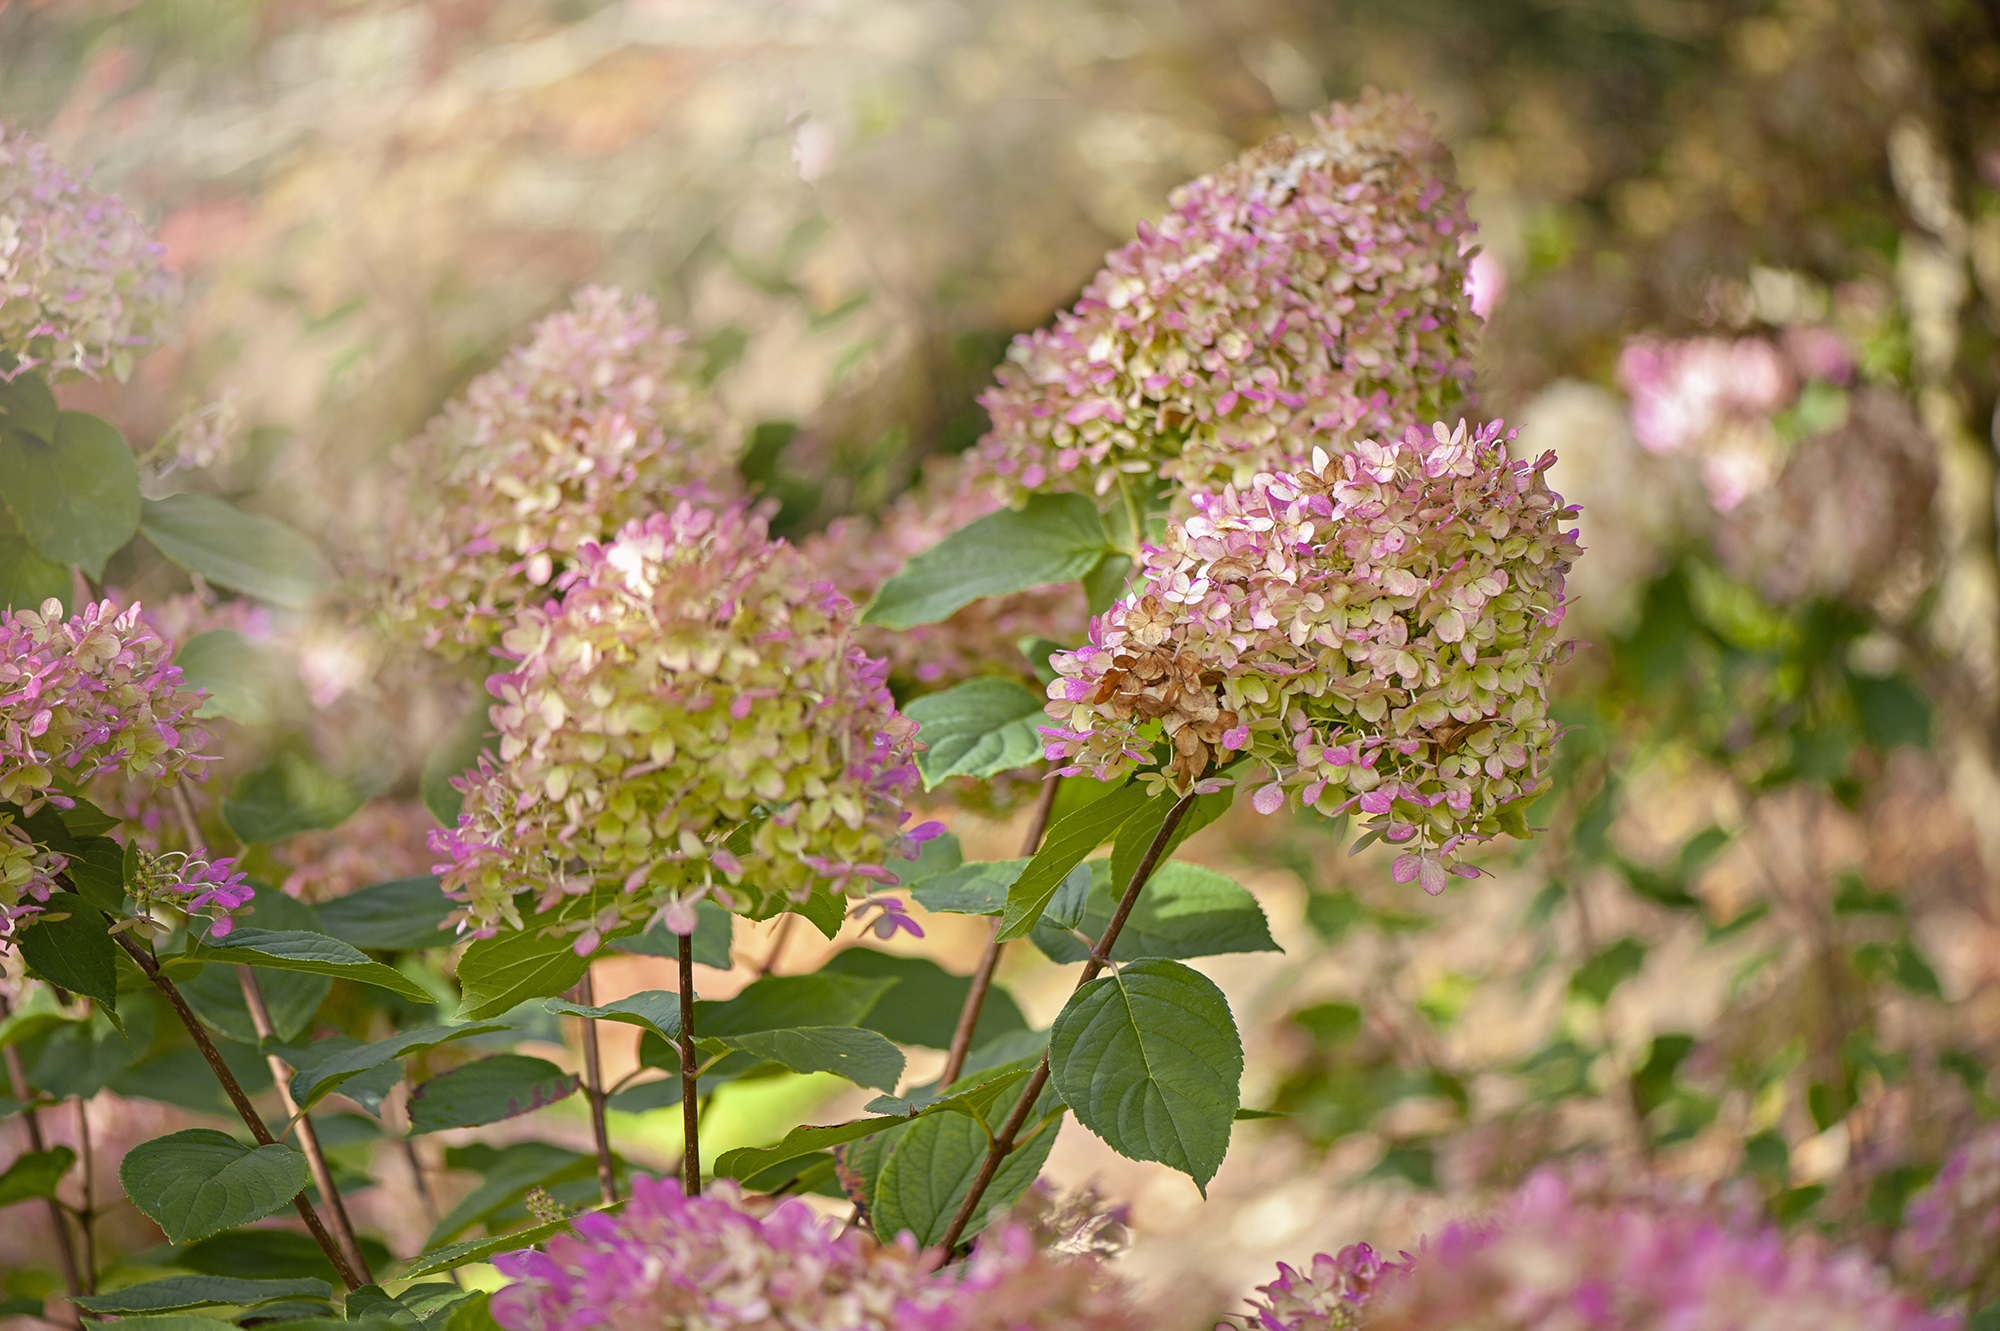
1253,1115
1185,911
863,1057
1611,967
374,1301
315,954
923,1007
498,974
84,819
392,917
780,1002
434,1302
939,855
97,867
216,994
290,794
1129,847
27,405
242,551
26,579
1105,583
1653,1082
979,888
655,1010
978,728
931,1169
472,1313
506,1174
1894,711
188,1322
176,1293
749,1161
74,952
457,752
237,674
79,1058
1149,1059
261,1253
1067,843
35,1174
199,1182
76,499
319,1078
1053,538
478,1250
714,934
504,1086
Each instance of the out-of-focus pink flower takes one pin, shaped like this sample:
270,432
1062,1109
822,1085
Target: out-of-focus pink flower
894,916
1950,1240
1682,390
1485,283
1332,1295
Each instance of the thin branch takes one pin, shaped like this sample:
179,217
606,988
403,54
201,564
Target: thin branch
17,1081
424,1198
989,961
1005,1141
237,1098
593,1089
88,1268
322,1173
690,1075
779,937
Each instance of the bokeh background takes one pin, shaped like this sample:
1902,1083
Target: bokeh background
1742,271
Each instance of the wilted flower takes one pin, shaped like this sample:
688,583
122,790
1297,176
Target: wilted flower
1378,629
1331,1297
82,288
596,420
1307,294
722,1261
691,717
1552,1262
1950,1240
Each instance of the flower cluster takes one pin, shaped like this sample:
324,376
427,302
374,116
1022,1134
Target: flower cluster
721,1261
1377,628
598,419
190,882
1552,1262
1331,1297
692,717
82,288
1308,294
859,554
1950,1240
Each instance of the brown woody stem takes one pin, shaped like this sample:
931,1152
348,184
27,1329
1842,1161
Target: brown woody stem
989,961
17,1082
86,1213
1006,1139
234,1090
593,1089
690,1075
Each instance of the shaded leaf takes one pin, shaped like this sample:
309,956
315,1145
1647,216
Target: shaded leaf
931,1167
923,1007
478,1250
322,1076
26,579
1612,966
506,1174
780,1002
714,933
1052,538
395,916
1068,842
237,674
655,1010
976,729
178,1292
76,499
1184,911
69,945
199,1181
35,1174
244,552
286,796
315,954
863,1057
500,1087
979,888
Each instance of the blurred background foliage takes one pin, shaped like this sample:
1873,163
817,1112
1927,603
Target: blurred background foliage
1758,950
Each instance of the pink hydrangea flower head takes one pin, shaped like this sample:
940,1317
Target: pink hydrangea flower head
1332,1295
1714,397
692,712
82,286
723,1261
1552,1261
1305,295
1378,628
597,419
1950,1239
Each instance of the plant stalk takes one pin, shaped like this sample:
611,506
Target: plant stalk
690,1078
989,961
593,1089
234,1090
17,1082
1004,1141
322,1173
87,1212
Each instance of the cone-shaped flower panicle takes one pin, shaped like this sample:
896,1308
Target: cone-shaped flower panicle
1550,1261
79,698
1376,628
692,716
598,419
82,286
1308,294
722,1261
1950,1240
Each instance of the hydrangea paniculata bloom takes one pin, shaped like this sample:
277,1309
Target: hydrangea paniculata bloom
82,288
692,716
190,882
80,698
1308,294
1554,1262
724,1262
598,419
1332,1295
1378,628
1950,1240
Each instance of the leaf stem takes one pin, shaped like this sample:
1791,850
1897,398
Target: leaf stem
17,1082
234,1090
989,961
585,994
690,1076
316,1165
1004,1142
779,937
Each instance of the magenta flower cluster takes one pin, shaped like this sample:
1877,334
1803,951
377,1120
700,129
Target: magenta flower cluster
1377,629
599,418
1332,1295
190,882
691,718
724,1262
1554,1261
82,286
1950,1239
79,698
1308,294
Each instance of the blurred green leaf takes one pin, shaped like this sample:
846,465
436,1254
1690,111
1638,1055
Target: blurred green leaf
76,499
394,916
454,755
35,1174
1612,966
244,552
1068,842
923,1007
290,794
313,953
